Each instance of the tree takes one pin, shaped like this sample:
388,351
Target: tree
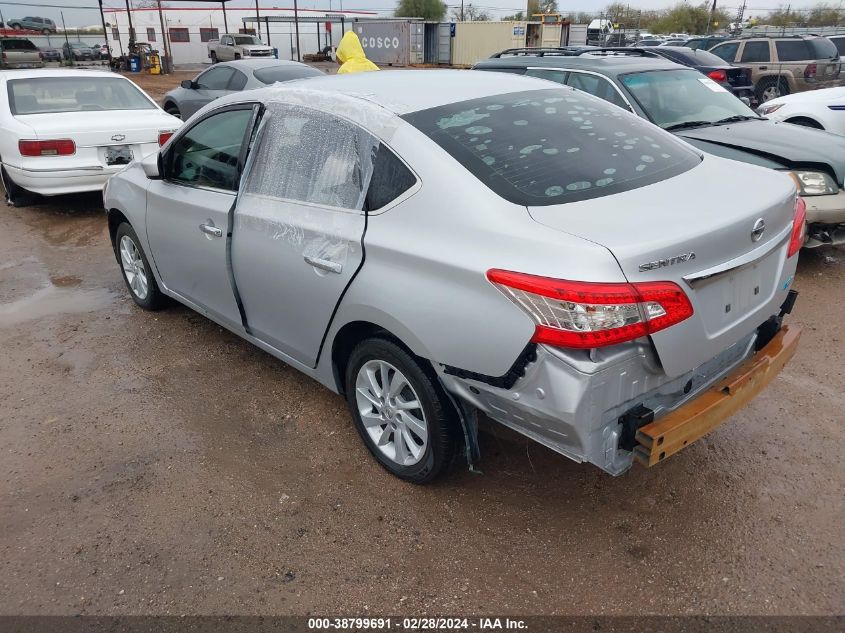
471,13
432,10
519,16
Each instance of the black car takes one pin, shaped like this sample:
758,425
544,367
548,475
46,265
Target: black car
679,99
737,80
78,51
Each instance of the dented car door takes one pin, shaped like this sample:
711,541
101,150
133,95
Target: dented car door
299,224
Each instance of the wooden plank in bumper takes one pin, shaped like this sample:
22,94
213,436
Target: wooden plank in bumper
666,436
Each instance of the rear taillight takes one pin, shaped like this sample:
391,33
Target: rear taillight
59,147
810,71
799,228
585,315
718,75
163,137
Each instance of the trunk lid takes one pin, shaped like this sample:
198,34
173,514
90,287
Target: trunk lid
97,128
696,230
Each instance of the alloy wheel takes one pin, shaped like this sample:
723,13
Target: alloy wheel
133,267
391,412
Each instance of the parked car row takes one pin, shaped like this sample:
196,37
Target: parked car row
542,192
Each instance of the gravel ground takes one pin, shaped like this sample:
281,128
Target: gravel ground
157,464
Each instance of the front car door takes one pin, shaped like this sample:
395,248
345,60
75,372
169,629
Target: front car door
188,209
299,224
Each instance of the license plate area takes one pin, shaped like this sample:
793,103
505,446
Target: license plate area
732,296
119,155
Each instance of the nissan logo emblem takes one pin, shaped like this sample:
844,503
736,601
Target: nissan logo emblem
118,137
757,231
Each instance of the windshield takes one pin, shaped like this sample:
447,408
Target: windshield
548,147
672,97
68,94
246,39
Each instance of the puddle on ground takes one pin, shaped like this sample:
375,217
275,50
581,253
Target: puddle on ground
66,281
52,300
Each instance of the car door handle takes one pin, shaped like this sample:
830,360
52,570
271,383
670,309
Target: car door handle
324,264
764,68
210,229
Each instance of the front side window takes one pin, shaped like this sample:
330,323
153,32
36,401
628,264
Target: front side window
596,86
557,76
215,79
549,147
208,154
793,51
310,156
40,95
726,52
238,81
755,52
675,97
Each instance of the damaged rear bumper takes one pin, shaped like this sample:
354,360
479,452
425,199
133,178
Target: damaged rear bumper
692,421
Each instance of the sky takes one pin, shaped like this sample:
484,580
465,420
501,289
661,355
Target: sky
76,16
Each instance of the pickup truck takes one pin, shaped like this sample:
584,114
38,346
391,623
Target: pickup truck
232,46
19,52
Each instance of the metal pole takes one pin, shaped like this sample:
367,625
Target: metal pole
105,33
165,63
258,20
131,28
67,42
267,24
296,24
225,22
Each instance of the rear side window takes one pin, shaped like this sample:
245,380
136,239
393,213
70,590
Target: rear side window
726,52
18,45
310,156
755,52
391,178
824,48
546,147
793,51
597,86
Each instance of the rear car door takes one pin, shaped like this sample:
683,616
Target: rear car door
299,225
188,209
211,85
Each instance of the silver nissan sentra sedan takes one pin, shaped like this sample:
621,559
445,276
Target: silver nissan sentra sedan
434,244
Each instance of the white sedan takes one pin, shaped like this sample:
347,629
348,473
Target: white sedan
66,131
820,109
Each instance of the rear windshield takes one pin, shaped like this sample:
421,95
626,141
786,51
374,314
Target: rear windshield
824,48
284,73
546,147
246,40
703,58
42,95
17,45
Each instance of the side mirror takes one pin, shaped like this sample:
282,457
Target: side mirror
150,165
188,84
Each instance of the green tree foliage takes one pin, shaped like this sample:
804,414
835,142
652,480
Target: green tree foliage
433,10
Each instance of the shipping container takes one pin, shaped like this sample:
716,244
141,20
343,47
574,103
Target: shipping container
392,42
552,35
577,35
475,41
438,43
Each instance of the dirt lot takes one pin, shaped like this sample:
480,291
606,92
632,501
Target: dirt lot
154,463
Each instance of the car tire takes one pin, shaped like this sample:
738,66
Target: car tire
213,57
16,196
172,110
771,88
805,121
136,269
385,422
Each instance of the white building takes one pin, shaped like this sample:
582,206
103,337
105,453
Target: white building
188,29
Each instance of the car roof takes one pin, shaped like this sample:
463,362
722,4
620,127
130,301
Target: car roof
404,91
255,64
610,65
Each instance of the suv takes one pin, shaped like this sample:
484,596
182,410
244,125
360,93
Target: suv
19,52
44,25
783,65
696,108
78,51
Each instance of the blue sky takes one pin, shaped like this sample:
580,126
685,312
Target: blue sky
76,16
